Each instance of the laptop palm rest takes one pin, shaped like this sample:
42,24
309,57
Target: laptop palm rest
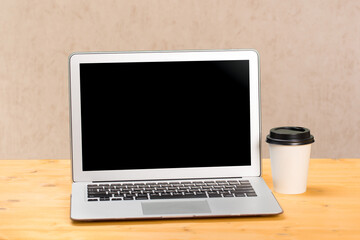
178,207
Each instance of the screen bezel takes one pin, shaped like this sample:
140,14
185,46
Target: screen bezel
164,173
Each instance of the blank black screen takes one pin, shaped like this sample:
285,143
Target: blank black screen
165,114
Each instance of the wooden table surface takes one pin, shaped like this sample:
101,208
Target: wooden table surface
35,204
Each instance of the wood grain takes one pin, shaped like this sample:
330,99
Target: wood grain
35,204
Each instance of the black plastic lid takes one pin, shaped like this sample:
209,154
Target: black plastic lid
290,136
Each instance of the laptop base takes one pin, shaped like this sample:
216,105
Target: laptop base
263,204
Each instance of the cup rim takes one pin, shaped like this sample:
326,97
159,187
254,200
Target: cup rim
291,136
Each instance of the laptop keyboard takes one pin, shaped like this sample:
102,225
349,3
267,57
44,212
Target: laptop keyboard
169,190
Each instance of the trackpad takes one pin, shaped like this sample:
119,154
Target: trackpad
175,207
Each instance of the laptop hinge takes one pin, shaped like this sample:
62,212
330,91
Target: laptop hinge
172,179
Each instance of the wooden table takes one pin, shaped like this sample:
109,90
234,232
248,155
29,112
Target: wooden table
35,204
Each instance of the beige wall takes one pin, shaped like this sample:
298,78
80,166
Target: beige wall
310,59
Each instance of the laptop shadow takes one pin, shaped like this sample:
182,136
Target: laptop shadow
264,218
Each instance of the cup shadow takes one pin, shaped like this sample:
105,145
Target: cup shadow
315,190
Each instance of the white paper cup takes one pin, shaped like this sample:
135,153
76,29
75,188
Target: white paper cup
290,149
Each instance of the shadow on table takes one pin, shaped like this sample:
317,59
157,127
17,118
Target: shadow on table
182,220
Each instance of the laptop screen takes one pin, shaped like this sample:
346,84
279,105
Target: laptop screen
165,114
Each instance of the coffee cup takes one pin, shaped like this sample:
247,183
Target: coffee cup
290,149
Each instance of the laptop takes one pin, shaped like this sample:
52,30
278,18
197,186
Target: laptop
166,134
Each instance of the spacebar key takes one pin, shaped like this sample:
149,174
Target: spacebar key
177,196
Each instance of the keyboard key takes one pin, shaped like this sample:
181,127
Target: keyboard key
228,195
168,196
128,198
104,199
239,195
142,198
251,194
179,194
98,195
245,184
199,183
92,185
233,182
213,195
92,190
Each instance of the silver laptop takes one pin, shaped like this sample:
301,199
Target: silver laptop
166,135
